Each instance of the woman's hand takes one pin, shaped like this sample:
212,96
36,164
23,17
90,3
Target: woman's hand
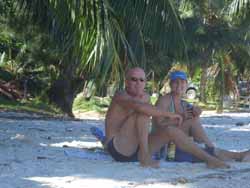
196,111
189,112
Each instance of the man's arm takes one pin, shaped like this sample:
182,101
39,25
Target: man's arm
141,106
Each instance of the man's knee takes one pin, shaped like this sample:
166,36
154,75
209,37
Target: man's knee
138,120
136,115
142,117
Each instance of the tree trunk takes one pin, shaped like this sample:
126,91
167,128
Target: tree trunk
203,82
222,87
63,92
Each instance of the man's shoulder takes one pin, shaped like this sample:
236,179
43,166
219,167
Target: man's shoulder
122,96
120,92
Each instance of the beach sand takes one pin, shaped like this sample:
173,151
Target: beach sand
32,156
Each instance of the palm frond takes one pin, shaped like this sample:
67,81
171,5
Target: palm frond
239,8
103,36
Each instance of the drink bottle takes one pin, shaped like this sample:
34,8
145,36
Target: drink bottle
171,151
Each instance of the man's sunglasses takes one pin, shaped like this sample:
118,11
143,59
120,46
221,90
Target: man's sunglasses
134,79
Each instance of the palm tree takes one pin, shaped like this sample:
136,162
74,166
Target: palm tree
210,30
99,39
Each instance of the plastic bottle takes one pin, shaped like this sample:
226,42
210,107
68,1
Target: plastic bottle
171,151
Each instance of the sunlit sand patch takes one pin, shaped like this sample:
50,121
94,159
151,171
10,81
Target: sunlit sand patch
77,144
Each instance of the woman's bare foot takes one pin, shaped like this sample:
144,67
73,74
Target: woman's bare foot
216,163
246,156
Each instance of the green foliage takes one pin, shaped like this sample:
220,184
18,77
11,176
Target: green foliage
96,41
102,37
96,104
240,10
153,99
28,55
210,105
240,56
34,105
5,75
211,92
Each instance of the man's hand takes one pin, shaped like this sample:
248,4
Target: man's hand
178,118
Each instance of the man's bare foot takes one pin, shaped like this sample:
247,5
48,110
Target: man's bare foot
148,162
216,163
246,156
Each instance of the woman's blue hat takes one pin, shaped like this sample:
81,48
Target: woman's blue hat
178,74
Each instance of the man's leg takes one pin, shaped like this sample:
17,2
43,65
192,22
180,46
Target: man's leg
133,133
195,129
142,127
125,141
162,136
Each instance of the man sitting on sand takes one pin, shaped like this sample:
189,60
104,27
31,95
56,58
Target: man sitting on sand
127,127
191,125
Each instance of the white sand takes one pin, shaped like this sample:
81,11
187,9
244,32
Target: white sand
32,156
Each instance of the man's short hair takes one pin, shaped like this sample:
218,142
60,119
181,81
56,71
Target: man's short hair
178,74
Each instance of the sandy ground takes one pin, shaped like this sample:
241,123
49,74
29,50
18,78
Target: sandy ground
32,156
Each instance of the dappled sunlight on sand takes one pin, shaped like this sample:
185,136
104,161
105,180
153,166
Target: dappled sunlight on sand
77,181
33,156
77,144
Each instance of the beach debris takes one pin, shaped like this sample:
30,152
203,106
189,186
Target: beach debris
11,90
21,138
239,124
41,157
84,130
182,180
39,129
216,176
18,137
69,129
4,164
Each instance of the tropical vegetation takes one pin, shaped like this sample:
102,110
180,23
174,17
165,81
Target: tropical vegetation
55,49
